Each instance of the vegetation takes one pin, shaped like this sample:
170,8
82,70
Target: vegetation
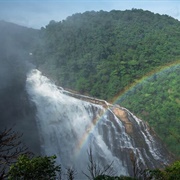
17,163
171,172
101,53
157,101
106,177
10,149
34,168
94,169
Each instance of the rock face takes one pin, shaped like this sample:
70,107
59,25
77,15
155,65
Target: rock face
123,116
69,125
144,139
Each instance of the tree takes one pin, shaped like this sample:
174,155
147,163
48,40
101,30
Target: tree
106,177
10,148
95,169
16,162
171,172
94,45
42,168
70,173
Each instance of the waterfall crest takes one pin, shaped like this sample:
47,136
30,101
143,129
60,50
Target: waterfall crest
68,126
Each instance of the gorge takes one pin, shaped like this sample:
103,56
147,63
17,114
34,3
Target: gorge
69,125
101,60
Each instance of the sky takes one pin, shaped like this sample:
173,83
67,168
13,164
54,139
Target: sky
38,13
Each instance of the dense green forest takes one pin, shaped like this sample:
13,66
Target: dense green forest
157,100
101,53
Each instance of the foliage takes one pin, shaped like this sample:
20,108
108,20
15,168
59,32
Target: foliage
171,172
94,168
99,53
10,148
106,177
34,168
70,173
157,101
22,166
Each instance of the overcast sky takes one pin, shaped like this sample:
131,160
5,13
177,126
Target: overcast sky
38,13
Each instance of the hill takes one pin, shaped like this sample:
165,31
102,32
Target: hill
156,100
101,53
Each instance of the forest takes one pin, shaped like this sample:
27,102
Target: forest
156,100
102,53
127,57
99,53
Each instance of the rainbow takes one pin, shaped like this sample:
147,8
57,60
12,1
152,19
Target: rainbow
86,134
145,77
91,127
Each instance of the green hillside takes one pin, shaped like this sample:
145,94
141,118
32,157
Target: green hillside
101,53
156,100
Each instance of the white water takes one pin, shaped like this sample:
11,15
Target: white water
64,123
150,141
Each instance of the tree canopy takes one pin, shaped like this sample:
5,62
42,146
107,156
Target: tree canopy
34,168
156,100
101,53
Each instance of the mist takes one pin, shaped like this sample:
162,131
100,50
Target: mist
16,111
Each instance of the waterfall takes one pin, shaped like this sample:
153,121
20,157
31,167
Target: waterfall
68,127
